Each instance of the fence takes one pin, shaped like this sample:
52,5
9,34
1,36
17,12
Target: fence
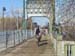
12,38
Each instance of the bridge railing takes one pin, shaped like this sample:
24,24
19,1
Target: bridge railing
13,38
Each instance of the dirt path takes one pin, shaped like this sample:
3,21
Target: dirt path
30,48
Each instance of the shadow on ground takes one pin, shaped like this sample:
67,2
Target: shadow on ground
43,42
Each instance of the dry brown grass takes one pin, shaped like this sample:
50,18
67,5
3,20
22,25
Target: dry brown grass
9,24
